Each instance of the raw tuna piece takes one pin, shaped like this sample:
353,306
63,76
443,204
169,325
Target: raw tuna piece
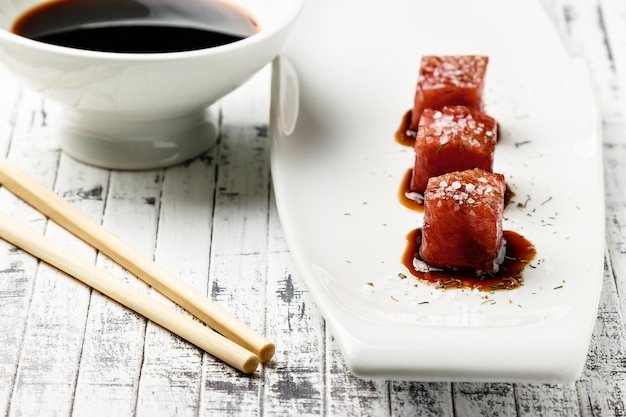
454,138
463,221
449,80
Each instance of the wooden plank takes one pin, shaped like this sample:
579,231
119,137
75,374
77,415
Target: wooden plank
602,386
492,399
52,338
110,365
16,286
351,396
17,270
615,172
603,383
613,18
238,258
422,399
295,381
585,34
171,372
558,400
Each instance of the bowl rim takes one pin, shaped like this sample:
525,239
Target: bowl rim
259,37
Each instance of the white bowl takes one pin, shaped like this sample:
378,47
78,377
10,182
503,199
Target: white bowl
139,111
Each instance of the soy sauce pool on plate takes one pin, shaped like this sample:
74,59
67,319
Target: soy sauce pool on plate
136,26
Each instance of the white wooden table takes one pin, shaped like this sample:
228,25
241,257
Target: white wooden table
66,350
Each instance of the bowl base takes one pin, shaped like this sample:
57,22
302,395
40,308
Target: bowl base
114,143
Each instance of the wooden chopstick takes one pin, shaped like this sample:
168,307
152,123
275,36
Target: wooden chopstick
81,225
186,327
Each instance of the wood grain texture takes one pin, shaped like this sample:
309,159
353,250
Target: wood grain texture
172,369
46,366
113,352
348,395
421,399
613,18
603,382
237,274
294,380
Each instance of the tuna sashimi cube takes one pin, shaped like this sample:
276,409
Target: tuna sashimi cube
449,80
454,138
463,221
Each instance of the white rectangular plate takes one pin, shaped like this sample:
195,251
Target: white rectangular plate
339,93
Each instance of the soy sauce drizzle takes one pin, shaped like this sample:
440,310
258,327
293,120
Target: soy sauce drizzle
404,135
519,253
404,192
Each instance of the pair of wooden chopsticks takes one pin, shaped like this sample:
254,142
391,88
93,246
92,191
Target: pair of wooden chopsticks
231,340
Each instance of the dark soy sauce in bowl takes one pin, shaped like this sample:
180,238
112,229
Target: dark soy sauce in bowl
136,26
